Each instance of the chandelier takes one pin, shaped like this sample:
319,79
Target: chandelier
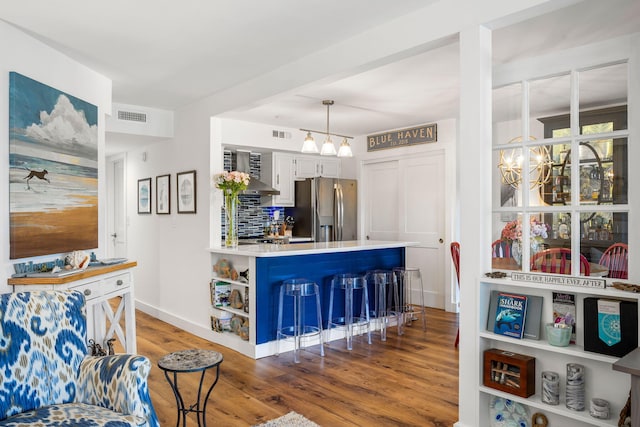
328,148
510,165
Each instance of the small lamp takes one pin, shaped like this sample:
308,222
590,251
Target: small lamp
309,145
345,149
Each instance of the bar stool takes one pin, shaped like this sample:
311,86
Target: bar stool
299,289
382,280
349,283
403,277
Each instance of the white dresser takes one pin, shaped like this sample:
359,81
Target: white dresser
99,285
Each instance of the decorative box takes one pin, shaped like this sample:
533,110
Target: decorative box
610,326
510,372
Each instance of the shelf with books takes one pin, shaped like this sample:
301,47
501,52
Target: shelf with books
601,381
535,402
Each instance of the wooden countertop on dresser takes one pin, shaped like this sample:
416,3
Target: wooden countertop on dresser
89,272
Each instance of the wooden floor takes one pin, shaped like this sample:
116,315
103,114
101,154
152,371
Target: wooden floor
409,380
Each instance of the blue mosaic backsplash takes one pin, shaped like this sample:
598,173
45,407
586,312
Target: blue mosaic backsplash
252,217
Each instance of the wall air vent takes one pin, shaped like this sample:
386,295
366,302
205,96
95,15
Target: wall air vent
280,134
132,117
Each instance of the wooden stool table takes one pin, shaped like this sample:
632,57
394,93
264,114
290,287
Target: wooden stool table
191,361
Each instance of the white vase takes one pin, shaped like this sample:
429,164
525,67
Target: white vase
516,251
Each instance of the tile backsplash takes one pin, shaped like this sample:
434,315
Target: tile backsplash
252,217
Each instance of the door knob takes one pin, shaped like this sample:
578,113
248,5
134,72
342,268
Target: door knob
440,240
114,235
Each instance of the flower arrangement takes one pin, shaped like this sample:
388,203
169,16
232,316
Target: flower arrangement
539,230
512,231
231,183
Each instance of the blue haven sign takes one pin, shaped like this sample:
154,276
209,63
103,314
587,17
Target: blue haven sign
403,137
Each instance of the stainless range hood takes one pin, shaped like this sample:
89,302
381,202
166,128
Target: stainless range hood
241,161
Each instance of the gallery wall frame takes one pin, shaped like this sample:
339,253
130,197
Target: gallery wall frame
163,194
144,196
186,191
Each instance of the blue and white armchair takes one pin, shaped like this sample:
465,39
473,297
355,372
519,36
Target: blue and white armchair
46,376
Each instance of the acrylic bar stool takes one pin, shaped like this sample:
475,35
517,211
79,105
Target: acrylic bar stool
299,289
405,277
348,283
382,283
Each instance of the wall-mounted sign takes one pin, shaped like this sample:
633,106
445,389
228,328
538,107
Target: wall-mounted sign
586,282
403,137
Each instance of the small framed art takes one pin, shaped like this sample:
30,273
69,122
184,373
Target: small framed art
163,194
186,186
144,196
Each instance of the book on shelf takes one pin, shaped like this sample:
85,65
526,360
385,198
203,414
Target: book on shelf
533,316
220,292
510,315
564,311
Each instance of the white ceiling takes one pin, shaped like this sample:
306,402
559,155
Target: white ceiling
167,54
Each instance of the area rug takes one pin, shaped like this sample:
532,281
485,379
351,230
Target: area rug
292,419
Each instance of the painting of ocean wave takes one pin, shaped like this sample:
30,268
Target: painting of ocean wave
53,170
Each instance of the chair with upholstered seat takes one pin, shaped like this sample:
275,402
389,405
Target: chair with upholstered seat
558,261
47,376
615,258
455,257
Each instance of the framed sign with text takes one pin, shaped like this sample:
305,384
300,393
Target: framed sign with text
403,137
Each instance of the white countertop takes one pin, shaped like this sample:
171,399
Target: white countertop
271,250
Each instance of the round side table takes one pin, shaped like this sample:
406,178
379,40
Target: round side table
191,361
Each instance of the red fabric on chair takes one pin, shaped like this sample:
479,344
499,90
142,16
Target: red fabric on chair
615,258
557,260
500,249
455,256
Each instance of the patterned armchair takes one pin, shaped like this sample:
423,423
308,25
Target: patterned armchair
48,379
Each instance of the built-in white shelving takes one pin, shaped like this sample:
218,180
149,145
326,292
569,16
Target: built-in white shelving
601,380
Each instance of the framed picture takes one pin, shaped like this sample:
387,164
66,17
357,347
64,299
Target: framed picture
186,185
163,194
52,153
144,196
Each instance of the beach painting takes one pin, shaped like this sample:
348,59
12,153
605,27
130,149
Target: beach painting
53,170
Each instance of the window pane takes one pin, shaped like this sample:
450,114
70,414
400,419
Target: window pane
603,171
540,173
509,176
506,250
601,231
549,97
507,113
603,87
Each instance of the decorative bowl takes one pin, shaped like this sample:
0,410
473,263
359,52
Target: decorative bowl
558,334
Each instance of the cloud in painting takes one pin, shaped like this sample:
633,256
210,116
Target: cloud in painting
66,129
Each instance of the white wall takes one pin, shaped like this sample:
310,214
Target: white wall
25,55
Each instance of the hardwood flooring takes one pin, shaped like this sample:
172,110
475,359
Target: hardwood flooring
409,380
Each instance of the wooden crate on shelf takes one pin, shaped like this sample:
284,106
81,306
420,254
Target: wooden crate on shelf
509,372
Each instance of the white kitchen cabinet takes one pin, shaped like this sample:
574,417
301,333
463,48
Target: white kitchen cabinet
279,167
601,381
315,166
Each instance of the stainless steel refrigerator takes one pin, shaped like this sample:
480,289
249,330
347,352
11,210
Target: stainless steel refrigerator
325,209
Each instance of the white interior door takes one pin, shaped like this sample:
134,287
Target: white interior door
116,210
404,200
381,193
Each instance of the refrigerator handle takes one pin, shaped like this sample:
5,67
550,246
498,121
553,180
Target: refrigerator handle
340,211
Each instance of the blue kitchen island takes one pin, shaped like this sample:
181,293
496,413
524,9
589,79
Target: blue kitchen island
267,265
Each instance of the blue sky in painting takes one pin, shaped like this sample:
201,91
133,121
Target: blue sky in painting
32,97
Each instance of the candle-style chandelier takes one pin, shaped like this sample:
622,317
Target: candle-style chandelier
510,165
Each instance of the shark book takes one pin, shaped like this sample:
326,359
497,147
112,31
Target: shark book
510,315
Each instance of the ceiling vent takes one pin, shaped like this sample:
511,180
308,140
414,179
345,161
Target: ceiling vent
132,117
280,134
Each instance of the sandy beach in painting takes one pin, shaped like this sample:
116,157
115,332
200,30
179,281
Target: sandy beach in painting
65,228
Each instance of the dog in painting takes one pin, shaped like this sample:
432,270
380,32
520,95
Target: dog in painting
39,175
